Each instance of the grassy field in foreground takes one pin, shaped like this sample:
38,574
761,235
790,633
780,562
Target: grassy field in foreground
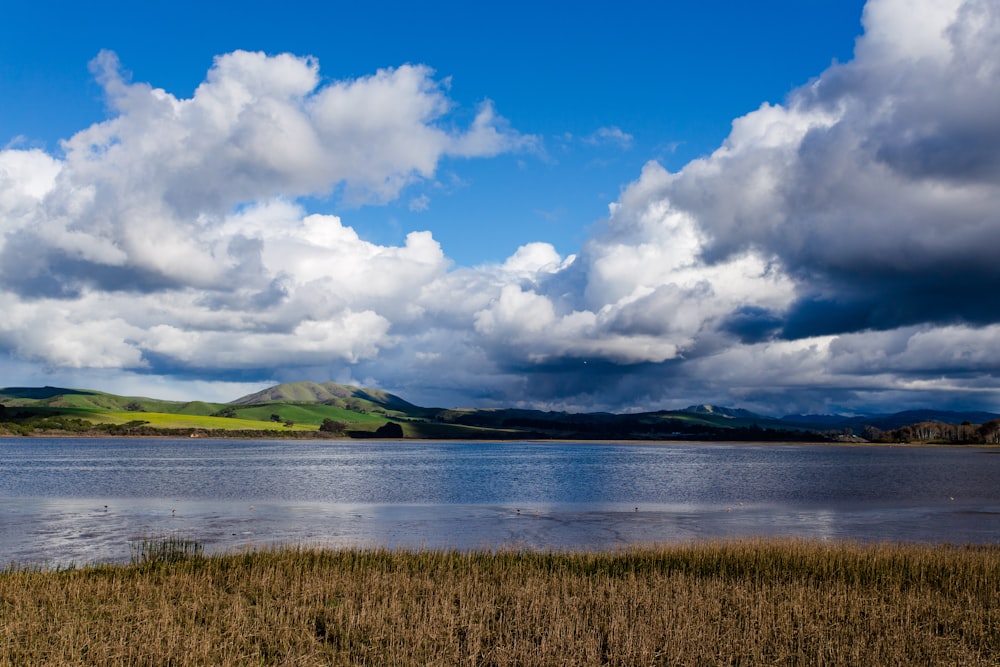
747,603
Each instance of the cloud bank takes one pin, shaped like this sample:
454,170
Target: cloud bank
835,252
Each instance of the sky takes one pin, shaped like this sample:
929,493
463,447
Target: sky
788,206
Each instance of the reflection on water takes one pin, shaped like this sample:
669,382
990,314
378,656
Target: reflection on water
69,500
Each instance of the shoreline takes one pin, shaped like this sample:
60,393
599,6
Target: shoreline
310,436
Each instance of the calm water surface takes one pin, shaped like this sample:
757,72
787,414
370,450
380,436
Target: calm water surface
81,500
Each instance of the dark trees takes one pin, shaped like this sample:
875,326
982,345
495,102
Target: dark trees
331,426
389,430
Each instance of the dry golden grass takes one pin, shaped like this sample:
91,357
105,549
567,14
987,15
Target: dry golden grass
745,603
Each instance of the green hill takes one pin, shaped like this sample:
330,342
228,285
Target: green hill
297,407
329,393
58,397
305,413
34,409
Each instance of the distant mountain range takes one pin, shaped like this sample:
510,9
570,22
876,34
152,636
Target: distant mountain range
890,421
302,409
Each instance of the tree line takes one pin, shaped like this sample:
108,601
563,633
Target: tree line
929,431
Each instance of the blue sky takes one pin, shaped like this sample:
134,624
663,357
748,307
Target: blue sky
671,76
784,206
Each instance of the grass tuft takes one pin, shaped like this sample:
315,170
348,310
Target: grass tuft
163,549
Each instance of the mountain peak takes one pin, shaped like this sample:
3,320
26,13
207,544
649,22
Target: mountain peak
720,411
316,392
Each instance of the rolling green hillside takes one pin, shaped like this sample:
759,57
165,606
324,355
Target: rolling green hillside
32,409
331,393
56,397
298,407
190,421
304,413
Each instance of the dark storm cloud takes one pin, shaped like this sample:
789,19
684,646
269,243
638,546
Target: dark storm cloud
943,296
877,186
751,324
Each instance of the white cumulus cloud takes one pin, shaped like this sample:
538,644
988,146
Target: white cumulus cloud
836,250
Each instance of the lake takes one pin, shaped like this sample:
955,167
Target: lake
66,501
